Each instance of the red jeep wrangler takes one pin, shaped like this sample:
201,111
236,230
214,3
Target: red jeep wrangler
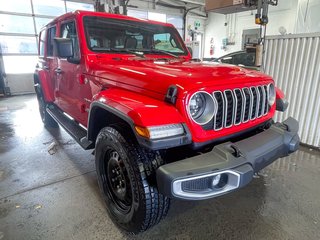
162,125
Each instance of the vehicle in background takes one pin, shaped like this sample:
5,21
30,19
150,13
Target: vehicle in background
246,59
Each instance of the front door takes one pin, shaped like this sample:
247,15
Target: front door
71,87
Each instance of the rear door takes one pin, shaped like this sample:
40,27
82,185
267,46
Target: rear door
48,62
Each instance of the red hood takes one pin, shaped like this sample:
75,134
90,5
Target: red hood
154,76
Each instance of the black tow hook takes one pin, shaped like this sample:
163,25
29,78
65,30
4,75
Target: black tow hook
236,151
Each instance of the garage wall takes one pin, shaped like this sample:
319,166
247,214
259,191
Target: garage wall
149,5
20,83
293,62
174,18
308,17
296,16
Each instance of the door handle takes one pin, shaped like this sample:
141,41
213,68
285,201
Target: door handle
58,70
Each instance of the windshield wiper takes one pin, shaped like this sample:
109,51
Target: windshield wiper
139,54
161,51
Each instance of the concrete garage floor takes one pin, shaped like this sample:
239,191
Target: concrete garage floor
45,196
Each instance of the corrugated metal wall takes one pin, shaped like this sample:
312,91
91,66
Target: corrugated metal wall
294,63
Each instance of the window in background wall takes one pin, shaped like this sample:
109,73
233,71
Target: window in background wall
16,24
176,21
72,6
49,7
160,17
19,29
16,45
19,64
138,14
41,22
18,6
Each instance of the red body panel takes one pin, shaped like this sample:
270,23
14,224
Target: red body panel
144,111
137,86
279,94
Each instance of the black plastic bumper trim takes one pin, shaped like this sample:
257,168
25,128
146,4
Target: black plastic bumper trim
255,152
282,105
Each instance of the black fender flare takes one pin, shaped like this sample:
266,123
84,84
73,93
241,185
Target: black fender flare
96,106
94,128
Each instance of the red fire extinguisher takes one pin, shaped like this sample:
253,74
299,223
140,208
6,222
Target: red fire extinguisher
211,47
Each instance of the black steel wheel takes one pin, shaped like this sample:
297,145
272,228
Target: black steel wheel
45,116
118,181
126,177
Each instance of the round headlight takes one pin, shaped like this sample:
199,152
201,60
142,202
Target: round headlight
271,94
202,107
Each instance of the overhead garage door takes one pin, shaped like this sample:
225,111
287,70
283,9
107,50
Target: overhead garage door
20,23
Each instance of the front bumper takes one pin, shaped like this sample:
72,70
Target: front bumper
228,166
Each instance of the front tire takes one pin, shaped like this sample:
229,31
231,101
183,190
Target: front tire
126,177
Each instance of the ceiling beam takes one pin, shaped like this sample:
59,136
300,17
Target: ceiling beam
201,3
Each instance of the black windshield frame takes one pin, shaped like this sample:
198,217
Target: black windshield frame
145,29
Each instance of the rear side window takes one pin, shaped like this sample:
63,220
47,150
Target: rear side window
68,30
51,36
42,43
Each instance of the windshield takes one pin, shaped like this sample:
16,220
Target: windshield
114,35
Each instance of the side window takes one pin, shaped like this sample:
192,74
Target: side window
68,30
119,41
51,36
99,40
164,41
139,39
42,42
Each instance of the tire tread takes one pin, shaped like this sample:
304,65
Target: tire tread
144,164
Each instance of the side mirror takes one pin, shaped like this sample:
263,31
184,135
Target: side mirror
64,47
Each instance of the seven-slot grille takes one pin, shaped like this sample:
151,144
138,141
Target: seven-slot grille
240,105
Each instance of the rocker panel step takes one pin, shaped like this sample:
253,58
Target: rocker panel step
78,133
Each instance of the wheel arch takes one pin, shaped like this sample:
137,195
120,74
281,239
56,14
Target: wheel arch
40,78
101,116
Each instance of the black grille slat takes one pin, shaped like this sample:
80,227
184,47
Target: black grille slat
218,119
230,107
261,102
266,104
246,94
254,102
240,105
